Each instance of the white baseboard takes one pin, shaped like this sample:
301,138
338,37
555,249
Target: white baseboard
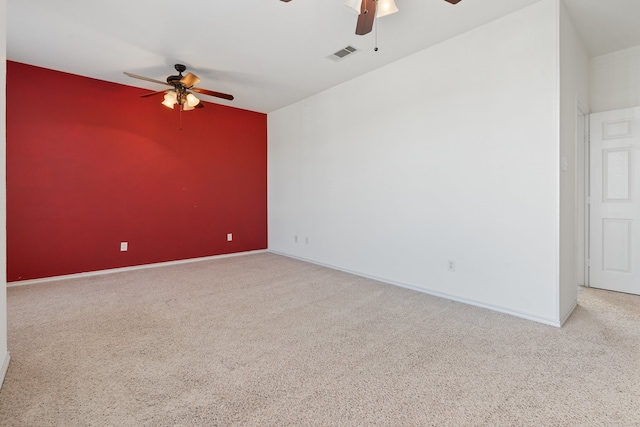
527,316
4,368
122,269
566,316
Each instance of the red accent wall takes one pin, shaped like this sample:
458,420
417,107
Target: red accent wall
90,164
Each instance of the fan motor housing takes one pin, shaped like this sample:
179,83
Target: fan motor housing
174,80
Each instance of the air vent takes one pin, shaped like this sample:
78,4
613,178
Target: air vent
343,53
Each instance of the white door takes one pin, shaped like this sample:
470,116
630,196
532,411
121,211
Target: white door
614,249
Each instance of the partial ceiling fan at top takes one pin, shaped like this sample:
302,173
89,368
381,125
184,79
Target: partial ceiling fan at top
369,10
381,7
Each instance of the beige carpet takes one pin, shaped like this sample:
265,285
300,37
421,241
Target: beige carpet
263,340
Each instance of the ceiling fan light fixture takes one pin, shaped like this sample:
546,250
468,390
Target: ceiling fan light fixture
386,7
192,101
170,99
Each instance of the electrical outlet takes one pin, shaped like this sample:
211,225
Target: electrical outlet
306,240
124,246
451,265
229,237
295,239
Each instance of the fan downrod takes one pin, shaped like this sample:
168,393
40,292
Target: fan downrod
175,80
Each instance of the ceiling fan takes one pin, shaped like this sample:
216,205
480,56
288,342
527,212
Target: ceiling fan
367,12
181,94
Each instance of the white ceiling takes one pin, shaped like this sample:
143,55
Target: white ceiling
267,53
606,25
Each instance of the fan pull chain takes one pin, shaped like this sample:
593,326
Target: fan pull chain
375,49
180,116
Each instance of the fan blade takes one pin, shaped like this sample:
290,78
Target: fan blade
135,76
153,93
212,93
189,80
366,17
286,1
453,1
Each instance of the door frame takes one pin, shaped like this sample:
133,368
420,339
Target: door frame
582,206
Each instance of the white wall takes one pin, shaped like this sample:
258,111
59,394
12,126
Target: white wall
4,353
574,89
451,153
615,80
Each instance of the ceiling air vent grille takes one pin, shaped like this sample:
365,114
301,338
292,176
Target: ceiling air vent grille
343,53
